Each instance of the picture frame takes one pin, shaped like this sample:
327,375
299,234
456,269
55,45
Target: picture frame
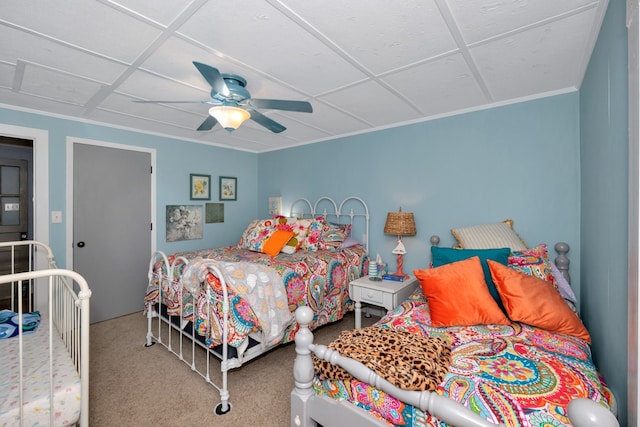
200,186
228,188
184,222
214,212
275,205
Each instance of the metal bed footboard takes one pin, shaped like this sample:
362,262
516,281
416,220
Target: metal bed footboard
187,338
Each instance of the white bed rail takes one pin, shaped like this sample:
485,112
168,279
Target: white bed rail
68,302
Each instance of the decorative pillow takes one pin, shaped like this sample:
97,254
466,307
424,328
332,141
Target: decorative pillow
299,226
313,241
334,234
458,295
276,241
534,262
535,302
256,234
487,236
348,242
441,256
563,285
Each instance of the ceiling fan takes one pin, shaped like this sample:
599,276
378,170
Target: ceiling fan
232,103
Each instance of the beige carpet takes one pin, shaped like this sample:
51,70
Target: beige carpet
132,385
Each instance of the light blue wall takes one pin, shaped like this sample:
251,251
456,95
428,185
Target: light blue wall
519,161
175,159
604,201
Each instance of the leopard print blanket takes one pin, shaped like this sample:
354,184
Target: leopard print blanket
408,361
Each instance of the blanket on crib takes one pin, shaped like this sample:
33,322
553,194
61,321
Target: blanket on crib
261,286
9,323
406,360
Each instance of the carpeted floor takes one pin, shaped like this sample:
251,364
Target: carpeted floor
134,385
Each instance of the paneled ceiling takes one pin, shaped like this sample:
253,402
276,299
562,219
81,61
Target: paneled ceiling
362,64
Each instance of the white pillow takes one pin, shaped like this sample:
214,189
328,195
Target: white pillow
489,236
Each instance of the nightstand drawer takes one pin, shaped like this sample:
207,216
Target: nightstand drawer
372,296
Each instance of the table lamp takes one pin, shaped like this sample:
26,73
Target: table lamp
400,224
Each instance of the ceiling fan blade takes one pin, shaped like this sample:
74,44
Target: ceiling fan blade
208,123
213,77
265,121
281,104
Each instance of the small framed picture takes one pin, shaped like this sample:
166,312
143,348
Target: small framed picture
200,186
275,205
214,212
228,188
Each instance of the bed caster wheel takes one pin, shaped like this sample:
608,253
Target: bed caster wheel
220,411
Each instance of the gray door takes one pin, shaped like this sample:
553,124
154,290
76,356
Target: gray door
14,220
112,226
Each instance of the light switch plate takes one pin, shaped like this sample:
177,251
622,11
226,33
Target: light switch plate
56,217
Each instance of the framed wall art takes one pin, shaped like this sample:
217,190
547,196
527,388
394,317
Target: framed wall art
184,222
228,188
200,186
213,212
275,205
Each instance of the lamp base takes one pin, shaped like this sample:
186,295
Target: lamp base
400,262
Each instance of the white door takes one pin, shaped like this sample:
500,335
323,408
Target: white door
112,226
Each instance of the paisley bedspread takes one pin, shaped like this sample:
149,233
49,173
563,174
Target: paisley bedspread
319,280
514,374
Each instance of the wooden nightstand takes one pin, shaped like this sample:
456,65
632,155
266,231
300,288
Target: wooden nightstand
385,293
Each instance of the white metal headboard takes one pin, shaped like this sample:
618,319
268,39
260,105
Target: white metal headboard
328,208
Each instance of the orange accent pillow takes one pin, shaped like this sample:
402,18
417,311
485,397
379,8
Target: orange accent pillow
276,242
535,302
459,296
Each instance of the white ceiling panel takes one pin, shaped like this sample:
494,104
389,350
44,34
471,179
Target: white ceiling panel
21,45
6,75
262,36
439,86
87,24
479,20
160,11
379,34
382,109
543,58
362,65
148,86
156,112
56,85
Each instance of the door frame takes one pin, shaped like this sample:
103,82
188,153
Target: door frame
71,140
40,138
633,334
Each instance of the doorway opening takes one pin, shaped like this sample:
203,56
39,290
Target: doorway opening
16,213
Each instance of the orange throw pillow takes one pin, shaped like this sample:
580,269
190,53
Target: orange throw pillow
535,302
276,242
459,296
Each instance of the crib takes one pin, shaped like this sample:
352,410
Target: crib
44,350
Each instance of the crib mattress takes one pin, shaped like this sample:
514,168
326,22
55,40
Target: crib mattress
67,386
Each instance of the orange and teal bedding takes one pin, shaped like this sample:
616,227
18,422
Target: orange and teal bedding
317,279
513,374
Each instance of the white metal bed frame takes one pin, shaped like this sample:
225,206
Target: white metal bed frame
67,309
301,207
310,410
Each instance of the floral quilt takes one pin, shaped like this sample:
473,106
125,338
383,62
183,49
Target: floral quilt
513,374
318,279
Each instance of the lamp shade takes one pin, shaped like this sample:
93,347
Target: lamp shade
400,224
229,117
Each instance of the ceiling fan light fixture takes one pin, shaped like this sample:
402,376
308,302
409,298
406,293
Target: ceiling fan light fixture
229,117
